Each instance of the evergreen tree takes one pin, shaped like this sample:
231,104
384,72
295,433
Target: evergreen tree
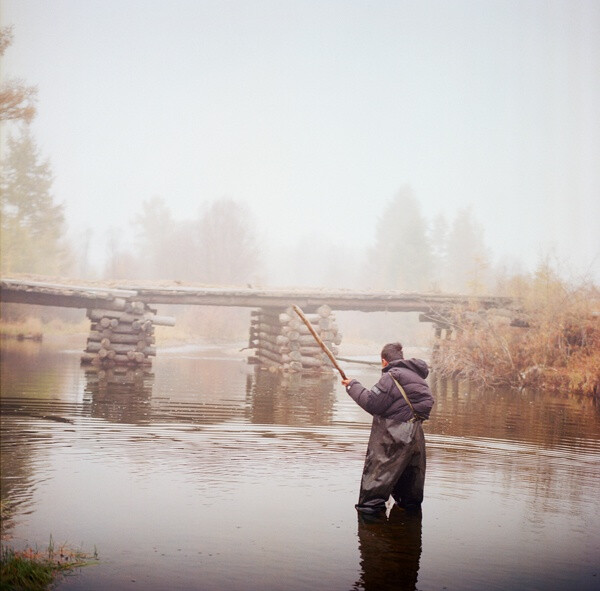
438,239
402,256
467,259
33,226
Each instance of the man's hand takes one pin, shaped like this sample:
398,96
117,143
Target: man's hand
346,382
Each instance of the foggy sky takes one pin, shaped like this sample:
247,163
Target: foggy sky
316,113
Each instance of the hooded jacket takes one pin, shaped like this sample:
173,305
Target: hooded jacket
385,399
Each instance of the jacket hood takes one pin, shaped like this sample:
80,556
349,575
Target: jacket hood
417,365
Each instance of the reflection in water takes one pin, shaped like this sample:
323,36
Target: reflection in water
19,451
390,550
535,417
290,399
121,395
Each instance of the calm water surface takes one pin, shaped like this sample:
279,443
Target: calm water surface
209,474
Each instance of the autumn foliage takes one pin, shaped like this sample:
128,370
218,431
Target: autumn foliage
17,100
551,342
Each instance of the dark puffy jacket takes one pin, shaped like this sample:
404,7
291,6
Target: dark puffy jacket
386,400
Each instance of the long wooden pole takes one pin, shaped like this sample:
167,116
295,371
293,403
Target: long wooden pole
318,339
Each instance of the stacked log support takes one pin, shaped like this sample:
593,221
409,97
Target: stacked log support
282,341
122,337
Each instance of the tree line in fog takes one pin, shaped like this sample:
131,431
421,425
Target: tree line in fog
221,244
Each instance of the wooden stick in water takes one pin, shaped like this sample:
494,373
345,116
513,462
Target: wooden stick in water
318,339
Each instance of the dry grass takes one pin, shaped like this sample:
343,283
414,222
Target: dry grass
559,350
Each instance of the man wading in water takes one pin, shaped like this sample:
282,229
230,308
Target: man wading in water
395,460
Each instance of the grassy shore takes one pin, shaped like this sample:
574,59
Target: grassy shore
555,346
34,570
31,569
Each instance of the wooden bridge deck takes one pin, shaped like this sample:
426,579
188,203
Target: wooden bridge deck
107,296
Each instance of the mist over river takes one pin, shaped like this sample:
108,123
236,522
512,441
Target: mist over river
208,473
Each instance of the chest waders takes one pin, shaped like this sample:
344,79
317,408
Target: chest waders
394,463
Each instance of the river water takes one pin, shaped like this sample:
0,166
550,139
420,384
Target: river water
207,473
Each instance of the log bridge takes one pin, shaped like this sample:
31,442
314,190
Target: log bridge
123,319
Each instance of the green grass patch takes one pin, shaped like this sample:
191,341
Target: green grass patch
33,570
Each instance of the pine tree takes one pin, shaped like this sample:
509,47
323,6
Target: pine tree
402,256
33,226
467,256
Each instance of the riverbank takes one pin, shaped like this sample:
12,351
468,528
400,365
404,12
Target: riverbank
34,570
553,345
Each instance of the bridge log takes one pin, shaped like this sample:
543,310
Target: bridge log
126,317
280,358
125,329
95,347
311,362
120,337
93,359
278,340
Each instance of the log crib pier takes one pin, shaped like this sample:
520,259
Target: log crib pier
282,341
123,337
